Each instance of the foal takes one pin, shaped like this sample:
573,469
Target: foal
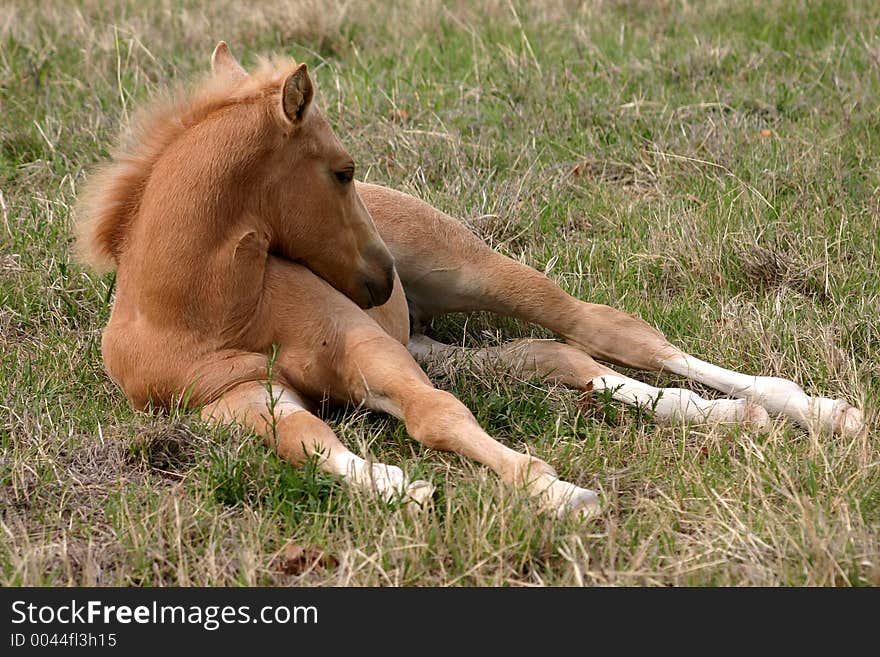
236,227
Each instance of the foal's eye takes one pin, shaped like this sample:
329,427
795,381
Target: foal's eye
345,176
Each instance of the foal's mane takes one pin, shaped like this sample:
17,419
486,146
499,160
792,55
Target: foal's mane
111,197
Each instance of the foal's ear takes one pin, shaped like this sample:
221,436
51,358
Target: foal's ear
223,63
296,94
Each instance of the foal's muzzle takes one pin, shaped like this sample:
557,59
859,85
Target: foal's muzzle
377,282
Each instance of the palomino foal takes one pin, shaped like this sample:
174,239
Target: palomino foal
236,227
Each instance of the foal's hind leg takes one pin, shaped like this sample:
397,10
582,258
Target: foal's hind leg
285,425
562,363
618,337
379,372
445,268
615,336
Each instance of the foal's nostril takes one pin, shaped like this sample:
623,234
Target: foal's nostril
379,289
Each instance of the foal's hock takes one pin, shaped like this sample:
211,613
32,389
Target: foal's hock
237,231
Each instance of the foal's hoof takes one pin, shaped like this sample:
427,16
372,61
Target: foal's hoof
420,492
755,417
584,504
564,498
845,419
831,416
783,397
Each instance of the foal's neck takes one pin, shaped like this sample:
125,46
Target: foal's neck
196,205
200,191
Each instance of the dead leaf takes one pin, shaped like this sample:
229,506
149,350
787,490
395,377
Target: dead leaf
584,401
295,559
398,115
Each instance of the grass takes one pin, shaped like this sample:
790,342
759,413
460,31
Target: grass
713,167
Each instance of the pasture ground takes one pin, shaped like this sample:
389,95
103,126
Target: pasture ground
712,166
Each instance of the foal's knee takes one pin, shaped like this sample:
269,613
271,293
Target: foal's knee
436,419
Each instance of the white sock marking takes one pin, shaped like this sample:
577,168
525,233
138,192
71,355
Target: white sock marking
563,497
385,480
777,395
674,403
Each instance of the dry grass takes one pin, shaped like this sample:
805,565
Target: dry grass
711,166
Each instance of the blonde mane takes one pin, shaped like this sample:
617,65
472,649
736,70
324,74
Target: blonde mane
111,197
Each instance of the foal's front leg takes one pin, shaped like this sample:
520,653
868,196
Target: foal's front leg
286,426
379,372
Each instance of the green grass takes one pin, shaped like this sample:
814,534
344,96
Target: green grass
713,167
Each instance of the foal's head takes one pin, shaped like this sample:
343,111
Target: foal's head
243,150
306,189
